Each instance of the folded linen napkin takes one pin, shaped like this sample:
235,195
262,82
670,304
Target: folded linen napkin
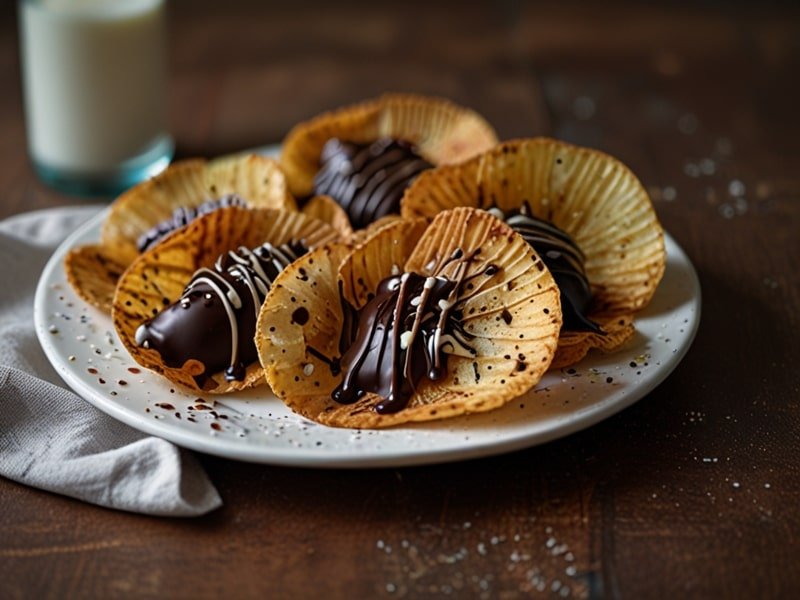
52,439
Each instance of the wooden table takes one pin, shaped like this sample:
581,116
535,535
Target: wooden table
692,492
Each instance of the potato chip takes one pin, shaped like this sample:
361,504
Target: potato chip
186,184
508,306
157,279
589,195
296,353
574,345
361,235
327,210
442,132
93,274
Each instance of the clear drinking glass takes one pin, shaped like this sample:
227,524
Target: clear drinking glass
94,81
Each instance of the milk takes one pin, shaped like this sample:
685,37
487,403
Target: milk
94,77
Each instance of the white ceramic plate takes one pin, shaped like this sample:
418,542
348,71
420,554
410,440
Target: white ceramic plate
255,426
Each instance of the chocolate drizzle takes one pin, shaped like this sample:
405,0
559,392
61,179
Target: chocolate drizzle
402,336
563,258
183,215
368,181
214,320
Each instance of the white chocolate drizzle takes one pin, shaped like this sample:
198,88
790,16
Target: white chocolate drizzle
243,265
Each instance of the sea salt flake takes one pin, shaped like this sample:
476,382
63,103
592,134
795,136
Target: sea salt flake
736,188
691,169
707,166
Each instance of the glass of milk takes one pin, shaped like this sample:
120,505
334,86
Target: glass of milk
94,80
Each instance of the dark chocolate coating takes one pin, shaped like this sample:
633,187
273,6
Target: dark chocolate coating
394,345
199,325
184,215
565,260
368,181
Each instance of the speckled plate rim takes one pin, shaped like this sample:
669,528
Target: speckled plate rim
488,441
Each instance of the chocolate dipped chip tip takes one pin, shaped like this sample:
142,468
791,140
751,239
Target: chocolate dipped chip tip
367,180
442,132
403,337
213,322
565,260
187,308
182,216
421,336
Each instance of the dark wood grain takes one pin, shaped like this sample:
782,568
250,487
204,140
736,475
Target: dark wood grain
692,492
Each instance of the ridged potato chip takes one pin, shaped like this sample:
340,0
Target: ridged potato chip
327,210
508,304
361,235
188,184
93,273
591,196
442,132
157,279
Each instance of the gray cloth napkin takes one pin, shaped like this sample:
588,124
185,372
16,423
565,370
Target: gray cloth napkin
52,439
